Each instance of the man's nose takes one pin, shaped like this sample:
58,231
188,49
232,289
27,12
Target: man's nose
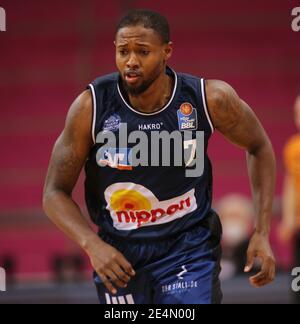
132,62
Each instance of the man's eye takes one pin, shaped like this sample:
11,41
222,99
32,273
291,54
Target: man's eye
123,52
145,52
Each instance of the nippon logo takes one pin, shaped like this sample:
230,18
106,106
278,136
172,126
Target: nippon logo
296,20
2,19
2,280
296,281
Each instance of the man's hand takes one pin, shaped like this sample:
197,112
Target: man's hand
110,265
259,247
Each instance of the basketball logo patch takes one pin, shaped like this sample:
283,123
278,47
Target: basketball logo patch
187,117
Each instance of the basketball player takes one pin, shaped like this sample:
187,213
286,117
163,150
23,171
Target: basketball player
159,239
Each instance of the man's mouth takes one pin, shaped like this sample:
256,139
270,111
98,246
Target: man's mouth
132,77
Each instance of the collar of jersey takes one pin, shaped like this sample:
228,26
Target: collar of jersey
158,111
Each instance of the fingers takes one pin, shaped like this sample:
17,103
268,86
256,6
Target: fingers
112,267
259,280
111,280
107,283
266,275
250,261
122,276
116,272
115,279
126,266
120,271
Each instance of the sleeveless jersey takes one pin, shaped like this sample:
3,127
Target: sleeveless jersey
154,201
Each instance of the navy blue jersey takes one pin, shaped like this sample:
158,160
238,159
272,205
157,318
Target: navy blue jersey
146,202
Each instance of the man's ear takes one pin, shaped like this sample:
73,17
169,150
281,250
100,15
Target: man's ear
168,50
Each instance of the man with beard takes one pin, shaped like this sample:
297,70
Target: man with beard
159,239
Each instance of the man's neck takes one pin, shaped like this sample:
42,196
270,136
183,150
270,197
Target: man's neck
155,97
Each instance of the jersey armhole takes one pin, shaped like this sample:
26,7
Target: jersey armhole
204,99
91,87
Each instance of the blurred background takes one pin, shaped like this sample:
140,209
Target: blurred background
53,49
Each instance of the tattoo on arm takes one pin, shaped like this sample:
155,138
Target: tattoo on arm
224,105
72,147
233,117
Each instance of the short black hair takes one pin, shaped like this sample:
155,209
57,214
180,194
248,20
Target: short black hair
148,19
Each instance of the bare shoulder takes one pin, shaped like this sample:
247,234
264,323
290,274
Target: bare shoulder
233,117
75,141
225,106
72,146
217,91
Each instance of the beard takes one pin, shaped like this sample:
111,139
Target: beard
135,91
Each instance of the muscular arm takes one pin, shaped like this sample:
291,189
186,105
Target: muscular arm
68,158
237,122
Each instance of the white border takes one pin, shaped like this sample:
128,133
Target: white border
94,112
157,112
205,106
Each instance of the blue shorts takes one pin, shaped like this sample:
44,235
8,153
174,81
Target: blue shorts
180,270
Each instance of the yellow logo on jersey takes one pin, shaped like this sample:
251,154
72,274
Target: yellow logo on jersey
132,206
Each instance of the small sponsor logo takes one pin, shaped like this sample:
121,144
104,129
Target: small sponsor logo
117,158
112,123
184,271
156,126
181,285
187,117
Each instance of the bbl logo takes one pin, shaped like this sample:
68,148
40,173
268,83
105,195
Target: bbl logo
187,117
